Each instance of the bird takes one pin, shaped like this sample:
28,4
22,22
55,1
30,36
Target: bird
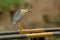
18,15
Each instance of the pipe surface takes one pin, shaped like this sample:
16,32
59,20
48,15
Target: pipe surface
30,31
34,35
39,30
8,32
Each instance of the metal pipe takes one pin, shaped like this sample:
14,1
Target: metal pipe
30,31
8,32
34,35
39,30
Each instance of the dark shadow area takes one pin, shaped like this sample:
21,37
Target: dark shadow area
40,38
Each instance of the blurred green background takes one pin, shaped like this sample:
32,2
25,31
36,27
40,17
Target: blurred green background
7,3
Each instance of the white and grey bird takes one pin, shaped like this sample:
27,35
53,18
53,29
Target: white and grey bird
18,15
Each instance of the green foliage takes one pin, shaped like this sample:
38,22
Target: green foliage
7,3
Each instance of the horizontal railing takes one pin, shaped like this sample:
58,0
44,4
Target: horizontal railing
30,31
34,35
38,30
8,32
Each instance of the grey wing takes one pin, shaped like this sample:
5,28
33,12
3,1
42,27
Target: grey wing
16,16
